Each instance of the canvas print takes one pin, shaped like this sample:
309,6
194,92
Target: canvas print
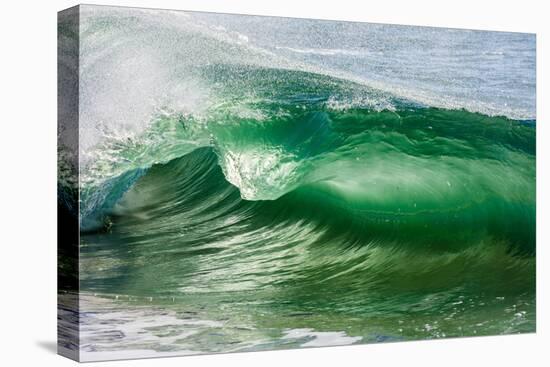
232,183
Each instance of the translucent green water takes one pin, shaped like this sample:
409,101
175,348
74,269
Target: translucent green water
302,218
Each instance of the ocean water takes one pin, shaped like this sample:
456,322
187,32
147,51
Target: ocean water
252,183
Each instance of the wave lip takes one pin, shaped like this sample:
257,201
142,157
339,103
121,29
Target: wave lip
122,43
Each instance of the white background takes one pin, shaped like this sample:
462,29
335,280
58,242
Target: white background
28,182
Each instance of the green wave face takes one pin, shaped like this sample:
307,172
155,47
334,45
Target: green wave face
304,202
